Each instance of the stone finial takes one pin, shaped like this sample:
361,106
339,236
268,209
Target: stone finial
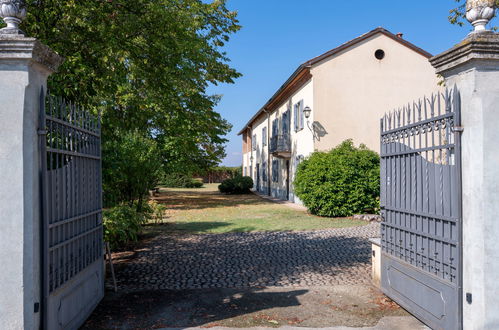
480,12
12,12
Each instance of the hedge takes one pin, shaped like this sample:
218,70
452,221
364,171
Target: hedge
237,185
342,182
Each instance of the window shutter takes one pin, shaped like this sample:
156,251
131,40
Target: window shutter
277,171
302,116
295,118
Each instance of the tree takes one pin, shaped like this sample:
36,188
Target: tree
145,65
458,15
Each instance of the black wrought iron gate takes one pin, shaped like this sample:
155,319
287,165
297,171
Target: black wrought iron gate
421,207
72,243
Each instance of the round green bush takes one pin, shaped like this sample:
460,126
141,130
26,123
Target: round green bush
237,185
339,183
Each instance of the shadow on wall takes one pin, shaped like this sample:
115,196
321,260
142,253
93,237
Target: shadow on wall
319,130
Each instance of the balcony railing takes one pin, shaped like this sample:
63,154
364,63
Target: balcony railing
280,143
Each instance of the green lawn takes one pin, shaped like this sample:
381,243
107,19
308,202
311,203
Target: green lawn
205,210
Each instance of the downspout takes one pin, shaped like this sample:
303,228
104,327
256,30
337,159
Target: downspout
268,153
250,129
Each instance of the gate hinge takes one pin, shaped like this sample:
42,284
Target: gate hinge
459,129
42,132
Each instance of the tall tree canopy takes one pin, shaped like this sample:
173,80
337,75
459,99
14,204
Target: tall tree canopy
146,64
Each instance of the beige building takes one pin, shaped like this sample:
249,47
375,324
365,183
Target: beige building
344,93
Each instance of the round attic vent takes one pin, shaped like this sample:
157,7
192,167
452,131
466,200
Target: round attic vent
379,54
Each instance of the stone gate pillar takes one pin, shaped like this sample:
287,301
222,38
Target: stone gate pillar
473,65
25,65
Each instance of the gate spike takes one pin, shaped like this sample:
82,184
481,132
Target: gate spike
425,99
432,105
413,112
398,117
440,95
419,110
408,113
448,107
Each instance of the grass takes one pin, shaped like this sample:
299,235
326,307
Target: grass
205,210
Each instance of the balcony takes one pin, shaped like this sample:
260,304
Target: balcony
280,146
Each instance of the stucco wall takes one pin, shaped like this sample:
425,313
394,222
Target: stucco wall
353,89
301,142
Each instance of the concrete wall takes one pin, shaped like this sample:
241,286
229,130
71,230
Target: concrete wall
22,75
479,86
21,80
353,89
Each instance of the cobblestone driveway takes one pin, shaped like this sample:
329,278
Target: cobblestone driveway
241,260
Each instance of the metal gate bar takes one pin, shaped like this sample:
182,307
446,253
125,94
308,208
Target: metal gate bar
72,232
421,208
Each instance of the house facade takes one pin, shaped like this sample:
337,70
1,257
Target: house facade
338,95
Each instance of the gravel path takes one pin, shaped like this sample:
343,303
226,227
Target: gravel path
243,260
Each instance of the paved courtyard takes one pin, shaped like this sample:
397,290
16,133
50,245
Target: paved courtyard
242,260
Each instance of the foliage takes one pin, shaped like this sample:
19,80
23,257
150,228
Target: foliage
458,14
236,185
221,173
180,181
341,182
122,225
145,65
154,211
130,169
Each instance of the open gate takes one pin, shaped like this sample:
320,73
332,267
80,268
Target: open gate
72,236
421,234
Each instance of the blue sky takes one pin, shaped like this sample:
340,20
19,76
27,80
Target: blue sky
279,35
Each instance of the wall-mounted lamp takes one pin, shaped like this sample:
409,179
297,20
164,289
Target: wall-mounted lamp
307,111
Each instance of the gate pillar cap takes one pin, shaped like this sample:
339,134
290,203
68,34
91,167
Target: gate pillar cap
16,47
477,46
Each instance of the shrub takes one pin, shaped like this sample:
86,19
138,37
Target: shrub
130,167
180,181
341,182
237,185
122,225
154,211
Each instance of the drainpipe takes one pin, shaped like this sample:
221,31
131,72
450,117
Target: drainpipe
268,153
250,129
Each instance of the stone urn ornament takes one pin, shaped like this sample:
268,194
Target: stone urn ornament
13,12
479,13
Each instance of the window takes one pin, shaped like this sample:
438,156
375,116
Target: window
275,170
254,142
285,123
298,160
379,54
299,117
264,136
264,172
275,127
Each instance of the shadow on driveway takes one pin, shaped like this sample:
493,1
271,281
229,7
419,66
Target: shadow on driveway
187,308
